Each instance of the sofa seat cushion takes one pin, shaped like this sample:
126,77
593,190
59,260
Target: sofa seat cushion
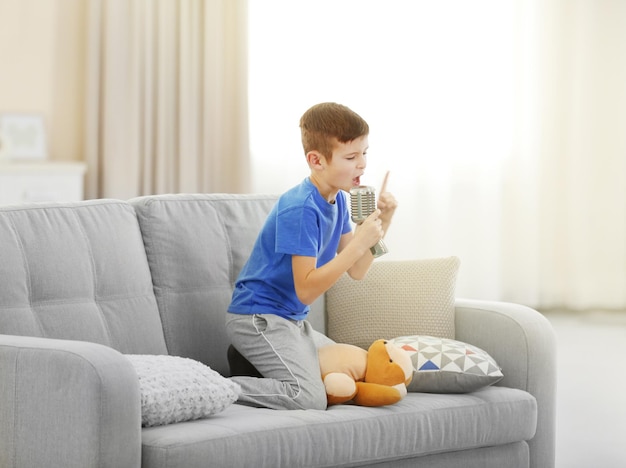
345,435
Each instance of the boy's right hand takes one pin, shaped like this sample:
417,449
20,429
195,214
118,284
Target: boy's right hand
370,231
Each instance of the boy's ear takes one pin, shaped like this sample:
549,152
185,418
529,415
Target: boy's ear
315,159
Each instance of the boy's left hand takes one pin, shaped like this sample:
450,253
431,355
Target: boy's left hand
387,203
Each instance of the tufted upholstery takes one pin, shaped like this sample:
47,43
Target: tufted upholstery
196,246
78,272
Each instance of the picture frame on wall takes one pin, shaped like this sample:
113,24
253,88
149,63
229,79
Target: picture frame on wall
22,137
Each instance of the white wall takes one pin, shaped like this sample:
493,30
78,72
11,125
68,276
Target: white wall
41,46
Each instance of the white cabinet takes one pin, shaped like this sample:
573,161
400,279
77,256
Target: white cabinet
41,182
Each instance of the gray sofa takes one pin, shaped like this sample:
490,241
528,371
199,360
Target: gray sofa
82,284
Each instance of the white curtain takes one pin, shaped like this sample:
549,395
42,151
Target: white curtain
502,122
572,153
166,97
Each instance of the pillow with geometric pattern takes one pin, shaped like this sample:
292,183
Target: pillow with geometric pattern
442,365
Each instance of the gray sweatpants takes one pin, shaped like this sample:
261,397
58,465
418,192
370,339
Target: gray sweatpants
285,353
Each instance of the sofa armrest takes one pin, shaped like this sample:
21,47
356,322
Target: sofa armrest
77,403
523,343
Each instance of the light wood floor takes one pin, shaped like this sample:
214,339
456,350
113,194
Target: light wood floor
591,393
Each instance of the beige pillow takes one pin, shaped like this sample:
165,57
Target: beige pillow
396,298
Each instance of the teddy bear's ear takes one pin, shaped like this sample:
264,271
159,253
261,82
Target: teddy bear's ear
402,358
380,366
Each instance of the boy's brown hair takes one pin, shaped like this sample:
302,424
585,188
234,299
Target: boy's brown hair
325,123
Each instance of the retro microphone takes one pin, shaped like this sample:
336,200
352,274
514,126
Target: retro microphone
363,204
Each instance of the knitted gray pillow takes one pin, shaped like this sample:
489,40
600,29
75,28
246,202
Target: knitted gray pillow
175,389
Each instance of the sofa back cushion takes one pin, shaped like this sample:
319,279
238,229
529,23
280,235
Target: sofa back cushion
196,246
78,271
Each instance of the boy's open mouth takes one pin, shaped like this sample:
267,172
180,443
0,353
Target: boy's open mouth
356,181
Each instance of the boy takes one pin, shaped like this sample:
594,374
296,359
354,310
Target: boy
304,247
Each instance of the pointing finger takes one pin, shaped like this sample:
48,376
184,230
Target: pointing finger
384,186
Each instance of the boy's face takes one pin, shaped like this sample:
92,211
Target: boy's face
348,164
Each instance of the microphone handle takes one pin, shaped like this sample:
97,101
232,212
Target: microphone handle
379,249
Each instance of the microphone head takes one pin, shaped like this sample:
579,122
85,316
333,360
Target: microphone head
362,202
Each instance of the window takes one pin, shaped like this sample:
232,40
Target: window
435,82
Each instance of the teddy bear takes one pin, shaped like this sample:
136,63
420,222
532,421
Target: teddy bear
374,377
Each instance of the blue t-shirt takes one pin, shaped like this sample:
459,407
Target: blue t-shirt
301,223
